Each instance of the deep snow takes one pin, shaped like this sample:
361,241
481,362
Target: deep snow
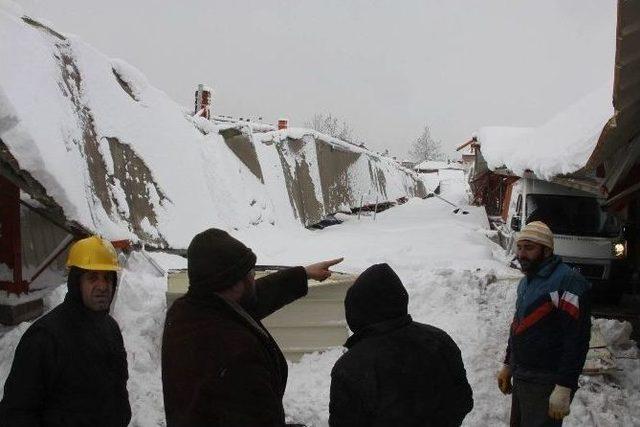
457,280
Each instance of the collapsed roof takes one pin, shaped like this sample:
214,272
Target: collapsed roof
90,139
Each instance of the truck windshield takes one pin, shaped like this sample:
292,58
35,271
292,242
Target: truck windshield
571,215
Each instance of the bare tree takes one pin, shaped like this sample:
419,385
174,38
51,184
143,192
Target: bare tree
425,147
327,123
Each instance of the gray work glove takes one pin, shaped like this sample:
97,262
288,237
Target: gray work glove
559,402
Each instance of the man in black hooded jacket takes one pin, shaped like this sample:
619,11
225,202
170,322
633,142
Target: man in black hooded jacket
70,367
396,372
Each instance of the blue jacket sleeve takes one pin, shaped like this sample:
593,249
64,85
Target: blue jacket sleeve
507,353
575,321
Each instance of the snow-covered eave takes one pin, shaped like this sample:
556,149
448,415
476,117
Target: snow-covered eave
619,105
562,146
279,136
582,177
580,180
43,204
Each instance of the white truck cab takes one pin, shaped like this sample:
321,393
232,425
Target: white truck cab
586,237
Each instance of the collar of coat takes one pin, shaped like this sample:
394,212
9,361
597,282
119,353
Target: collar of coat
214,300
79,310
548,266
378,329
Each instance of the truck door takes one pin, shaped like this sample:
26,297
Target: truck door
508,230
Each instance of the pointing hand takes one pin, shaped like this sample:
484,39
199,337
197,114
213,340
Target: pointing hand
320,270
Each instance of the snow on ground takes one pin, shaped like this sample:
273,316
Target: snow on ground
436,165
447,264
140,310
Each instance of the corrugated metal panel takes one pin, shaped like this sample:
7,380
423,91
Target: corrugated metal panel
315,322
39,239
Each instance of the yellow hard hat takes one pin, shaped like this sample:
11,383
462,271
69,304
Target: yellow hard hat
93,253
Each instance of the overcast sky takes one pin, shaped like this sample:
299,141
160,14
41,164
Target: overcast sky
386,67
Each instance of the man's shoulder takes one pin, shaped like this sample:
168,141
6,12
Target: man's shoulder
414,333
353,358
188,309
568,279
53,320
211,325
430,329
214,312
362,353
438,335
47,327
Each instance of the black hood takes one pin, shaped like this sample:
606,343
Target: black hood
377,295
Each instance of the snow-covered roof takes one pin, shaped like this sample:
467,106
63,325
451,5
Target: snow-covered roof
122,159
114,152
435,165
562,145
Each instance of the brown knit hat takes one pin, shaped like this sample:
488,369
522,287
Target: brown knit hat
217,261
537,232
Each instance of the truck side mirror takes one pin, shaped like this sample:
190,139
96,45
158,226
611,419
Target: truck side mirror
515,223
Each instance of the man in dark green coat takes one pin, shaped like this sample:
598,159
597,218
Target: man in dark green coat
220,366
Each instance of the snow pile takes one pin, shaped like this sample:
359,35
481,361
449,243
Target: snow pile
453,186
561,146
500,140
140,310
436,165
431,181
612,400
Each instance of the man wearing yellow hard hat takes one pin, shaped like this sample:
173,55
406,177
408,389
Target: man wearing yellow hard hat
70,367
550,333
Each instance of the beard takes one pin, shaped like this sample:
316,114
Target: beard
530,266
249,299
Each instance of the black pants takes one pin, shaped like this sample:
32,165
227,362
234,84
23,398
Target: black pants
530,405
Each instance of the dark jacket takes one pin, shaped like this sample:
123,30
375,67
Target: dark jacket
220,366
551,328
70,369
397,372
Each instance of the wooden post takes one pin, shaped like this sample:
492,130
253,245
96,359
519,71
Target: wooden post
11,247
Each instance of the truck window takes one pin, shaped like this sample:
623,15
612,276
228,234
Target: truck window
519,206
572,215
